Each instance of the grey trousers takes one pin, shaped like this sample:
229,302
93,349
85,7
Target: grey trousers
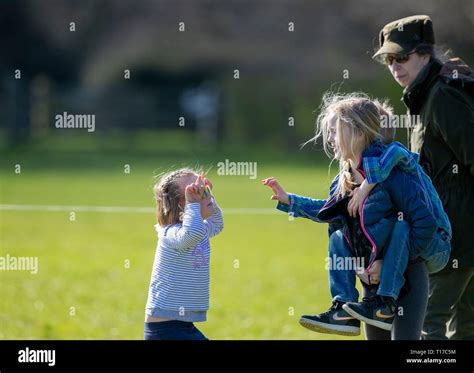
411,307
450,312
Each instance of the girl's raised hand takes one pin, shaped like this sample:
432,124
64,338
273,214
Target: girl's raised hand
205,185
199,179
202,180
208,183
192,193
279,193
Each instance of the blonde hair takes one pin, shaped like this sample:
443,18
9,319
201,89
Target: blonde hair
168,196
362,116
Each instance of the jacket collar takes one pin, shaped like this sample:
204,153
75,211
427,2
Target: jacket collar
373,150
336,206
414,94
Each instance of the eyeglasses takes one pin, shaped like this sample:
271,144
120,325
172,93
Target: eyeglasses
398,58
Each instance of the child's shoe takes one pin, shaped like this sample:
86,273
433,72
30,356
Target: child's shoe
333,321
375,310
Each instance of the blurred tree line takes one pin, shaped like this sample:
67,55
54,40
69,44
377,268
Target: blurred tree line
248,72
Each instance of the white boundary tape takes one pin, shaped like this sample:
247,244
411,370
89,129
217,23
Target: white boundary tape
124,209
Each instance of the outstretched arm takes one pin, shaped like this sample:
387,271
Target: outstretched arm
297,206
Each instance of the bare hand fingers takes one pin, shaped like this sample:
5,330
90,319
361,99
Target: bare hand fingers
349,207
208,182
354,210
363,276
271,182
198,180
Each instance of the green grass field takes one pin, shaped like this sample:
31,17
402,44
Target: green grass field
83,263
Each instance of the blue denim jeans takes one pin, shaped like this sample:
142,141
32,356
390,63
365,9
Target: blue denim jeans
398,252
438,253
341,281
173,330
396,256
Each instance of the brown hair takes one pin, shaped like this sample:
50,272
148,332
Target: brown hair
425,49
168,196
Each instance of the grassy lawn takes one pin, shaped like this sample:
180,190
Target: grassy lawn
94,271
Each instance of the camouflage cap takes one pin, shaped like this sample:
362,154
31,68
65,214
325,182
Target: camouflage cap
403,35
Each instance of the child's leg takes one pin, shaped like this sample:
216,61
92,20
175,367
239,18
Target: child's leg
341,281
172,330
342,286
380,310
398,252
437,254
395,261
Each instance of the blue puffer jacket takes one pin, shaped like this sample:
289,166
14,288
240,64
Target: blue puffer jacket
411,194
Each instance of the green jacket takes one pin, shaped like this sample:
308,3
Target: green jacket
444,138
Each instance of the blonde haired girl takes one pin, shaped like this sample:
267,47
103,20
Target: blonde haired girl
349,126
178,295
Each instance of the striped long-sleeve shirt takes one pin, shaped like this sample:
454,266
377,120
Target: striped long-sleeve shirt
179,286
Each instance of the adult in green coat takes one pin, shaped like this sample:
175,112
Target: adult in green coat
441,100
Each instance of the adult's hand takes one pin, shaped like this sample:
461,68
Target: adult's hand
364,276
374,271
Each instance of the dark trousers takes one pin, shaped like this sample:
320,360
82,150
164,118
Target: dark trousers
173,330
411,307
450,312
